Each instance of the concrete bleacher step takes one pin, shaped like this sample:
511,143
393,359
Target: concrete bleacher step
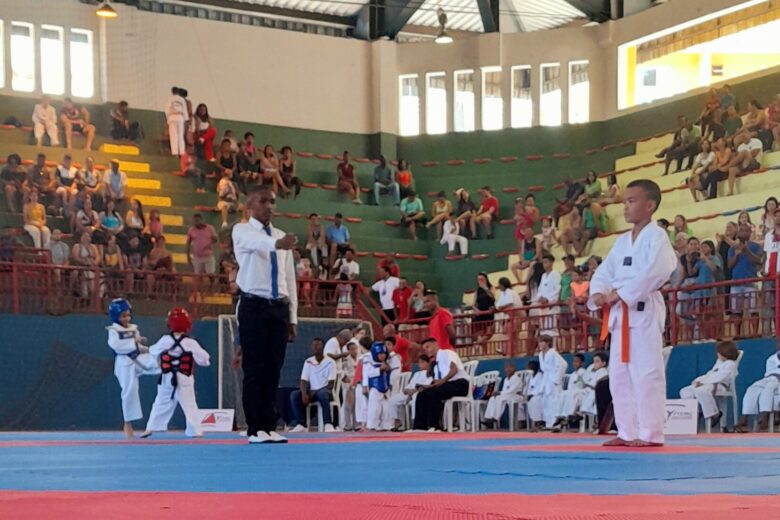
119,149
655,144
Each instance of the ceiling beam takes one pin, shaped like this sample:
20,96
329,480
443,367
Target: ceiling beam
488,11
596,10
385,18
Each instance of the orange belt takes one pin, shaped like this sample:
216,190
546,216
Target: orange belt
624,334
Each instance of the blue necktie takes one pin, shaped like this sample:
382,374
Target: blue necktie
274,269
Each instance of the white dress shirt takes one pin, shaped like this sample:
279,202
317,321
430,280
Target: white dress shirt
549,287
253,248
385,289
318,374
444,361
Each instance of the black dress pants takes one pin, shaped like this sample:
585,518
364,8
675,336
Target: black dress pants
430,403
263,328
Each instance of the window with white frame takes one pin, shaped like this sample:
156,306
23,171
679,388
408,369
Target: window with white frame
22,57
409,106
522,103
464,101
435,103
82,64
579,92
52,60
550,99
492,102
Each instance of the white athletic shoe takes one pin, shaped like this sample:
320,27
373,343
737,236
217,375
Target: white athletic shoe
242,433
276,438
260,438
329,428
299,429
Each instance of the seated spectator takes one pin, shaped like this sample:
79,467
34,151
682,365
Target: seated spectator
347,179
318,379
564,206
135,262
289,174
228,136
681,122
531,209
200,240
732,121
384,183
249,141
135,221
115,182
408,395
111,223
690,135
760,397
449,380
35,221
401,299
719,169
701,166
226,160
440,211
60,251
85,220
269,171
41,177
347,265
227,196
488,211
592,186
121,126
75,118
483,305
451,236
466,212
44,118
727,98
768,218
14,178
530,253
338,238
197,175
715,128
91,182
389,262
85,254
417,301
316,243
744,260
522,220
204,132
67,177
511,388
228,265
154,227
113,263
750,152
404,177
757,124
160,260
412,213
247,170
773,122
711,105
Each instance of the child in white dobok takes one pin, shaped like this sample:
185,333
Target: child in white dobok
571,397
626,287
511,387
376,383
131,360
760,397
595,373
553,368
703,388
534,395
178,354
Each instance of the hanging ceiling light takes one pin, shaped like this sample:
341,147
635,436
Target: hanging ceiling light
443,37
106,11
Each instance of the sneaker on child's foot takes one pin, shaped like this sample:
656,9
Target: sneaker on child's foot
329,428
299,429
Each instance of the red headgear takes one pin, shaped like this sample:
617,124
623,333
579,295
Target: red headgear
179,320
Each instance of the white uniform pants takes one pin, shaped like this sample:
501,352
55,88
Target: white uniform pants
40,236
588,402
176,134
347,412
361,406
49,128
396,402
496,406
705,395
536,408
570,402
378,410
552,403
461,241
166,401
760,396
639,387
127,375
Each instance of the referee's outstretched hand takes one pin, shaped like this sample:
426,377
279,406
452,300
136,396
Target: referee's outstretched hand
287,242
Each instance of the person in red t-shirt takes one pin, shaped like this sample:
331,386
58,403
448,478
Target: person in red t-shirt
401,297
441,325
389,262
408,350
488,210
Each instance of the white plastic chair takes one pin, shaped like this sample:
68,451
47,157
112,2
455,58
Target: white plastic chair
401,382
775,407
470,367
724,393
515,402
465,406
335,407
493,376
404,409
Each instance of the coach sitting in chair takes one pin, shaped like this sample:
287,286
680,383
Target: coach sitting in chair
449,380
318,378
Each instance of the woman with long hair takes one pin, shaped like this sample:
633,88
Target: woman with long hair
204,131
269,170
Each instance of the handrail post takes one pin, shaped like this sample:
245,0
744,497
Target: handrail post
15,288
196,295
96,290
510,333
673,318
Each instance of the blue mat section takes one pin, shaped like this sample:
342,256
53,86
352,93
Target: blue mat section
402,466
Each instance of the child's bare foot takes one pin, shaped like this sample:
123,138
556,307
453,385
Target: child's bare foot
128,429
639,443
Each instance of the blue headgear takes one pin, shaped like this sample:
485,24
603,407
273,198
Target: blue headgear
378,347
117,307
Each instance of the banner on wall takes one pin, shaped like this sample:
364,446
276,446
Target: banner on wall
681,417
216,420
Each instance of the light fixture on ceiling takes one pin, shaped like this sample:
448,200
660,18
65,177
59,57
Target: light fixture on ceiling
106,11
443,38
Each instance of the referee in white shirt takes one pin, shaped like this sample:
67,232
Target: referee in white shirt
267,311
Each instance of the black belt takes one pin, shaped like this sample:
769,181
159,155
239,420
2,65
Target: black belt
278,302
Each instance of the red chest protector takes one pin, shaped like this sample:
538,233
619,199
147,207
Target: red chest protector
172,362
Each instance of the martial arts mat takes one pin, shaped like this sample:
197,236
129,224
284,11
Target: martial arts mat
78,475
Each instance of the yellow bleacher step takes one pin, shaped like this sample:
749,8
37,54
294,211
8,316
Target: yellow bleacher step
171,220
144,184
175,239
655,144
179,258
132,166
120,149
154,200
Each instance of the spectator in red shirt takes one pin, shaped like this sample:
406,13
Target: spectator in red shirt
389,262
401,297
408,350
441,324
488,211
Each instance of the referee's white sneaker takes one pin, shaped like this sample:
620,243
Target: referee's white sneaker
260,438
276,438
329,428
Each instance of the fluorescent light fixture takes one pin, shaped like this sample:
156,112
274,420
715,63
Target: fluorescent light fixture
106,11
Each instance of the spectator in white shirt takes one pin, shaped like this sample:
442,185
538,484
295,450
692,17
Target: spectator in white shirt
449,380
750,151
408,394
385,288
67,177
508,299
451,236
116,183
703,388
318,378
227,197
334,348
549,293
701,166
44,119
347,265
